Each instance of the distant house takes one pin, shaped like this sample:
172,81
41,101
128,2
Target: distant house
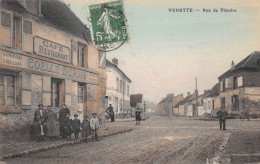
211,102
117,88
191,109
240,86
165,107
179,108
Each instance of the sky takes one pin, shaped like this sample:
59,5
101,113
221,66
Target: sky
167,50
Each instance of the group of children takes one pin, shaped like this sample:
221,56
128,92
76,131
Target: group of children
87,127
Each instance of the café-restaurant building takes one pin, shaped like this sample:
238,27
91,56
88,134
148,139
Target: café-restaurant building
46,57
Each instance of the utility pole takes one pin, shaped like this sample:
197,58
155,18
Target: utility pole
196,94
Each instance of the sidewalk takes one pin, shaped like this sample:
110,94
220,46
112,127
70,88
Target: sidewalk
14,148
130,119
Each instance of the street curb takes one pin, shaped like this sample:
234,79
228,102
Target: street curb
143,119
54,146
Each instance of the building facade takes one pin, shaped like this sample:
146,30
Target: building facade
166,105
117,88
45,59
240,86
211,102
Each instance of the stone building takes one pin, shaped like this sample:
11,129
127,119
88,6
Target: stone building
240,86
166,105
46,59
117,88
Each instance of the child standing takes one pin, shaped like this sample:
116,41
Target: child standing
138,117
85,128
76,126
94,124
67,127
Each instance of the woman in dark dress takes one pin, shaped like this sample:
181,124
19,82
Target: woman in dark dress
138,117
52,129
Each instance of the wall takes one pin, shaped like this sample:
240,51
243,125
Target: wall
112,92
36,86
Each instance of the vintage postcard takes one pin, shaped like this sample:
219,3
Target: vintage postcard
127,81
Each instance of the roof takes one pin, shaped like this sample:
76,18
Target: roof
168,97
214,91
55,12
117,68
136,98
186,99
250,62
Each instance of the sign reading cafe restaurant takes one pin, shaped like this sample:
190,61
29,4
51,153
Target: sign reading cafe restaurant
51,50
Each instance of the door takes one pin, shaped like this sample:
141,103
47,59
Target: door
223,103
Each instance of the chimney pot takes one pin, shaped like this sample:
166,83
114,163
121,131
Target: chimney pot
115,61
232,64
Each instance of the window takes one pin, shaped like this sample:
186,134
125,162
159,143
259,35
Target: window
240,81
27,27
258,62
127,90
226,83
80,92
124,87
121,86
55,92
7,90
82,55
117,84
5,19
234,82
121,104
209,105
17,32
235,102
116,103
213,104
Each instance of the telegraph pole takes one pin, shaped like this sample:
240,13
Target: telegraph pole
196,94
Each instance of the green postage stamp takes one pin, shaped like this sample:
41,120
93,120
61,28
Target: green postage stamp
108,25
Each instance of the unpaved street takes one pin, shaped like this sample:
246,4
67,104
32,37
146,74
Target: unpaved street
159,140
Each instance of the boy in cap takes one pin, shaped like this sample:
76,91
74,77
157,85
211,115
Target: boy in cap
94,124
85,128
76,126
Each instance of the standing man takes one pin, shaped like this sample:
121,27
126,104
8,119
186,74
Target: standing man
111,113
62,117
222,114
94,125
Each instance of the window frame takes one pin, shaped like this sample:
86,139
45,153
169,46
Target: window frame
6,88
11,15
13,38
81,86
24,20
84,61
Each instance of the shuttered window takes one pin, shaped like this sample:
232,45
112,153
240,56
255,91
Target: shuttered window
27,27
5,19
7,90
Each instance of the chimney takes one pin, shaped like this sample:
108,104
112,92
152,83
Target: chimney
115,61
188,93
232,65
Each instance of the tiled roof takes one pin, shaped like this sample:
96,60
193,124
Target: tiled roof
58,13
250,62
186,99
214,91
55,12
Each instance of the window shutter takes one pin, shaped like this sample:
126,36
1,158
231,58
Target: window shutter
5,19
102,59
